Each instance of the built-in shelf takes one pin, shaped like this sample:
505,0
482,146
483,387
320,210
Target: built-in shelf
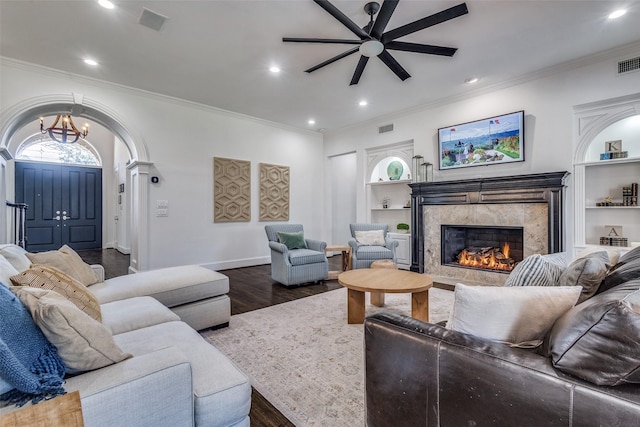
609,162
389,209
612,207
403,181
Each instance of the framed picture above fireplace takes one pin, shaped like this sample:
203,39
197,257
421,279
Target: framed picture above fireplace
491,141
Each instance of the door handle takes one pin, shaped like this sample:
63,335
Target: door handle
64,217
57,218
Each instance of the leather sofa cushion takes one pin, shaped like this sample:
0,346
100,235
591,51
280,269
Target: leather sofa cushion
599,340
624,271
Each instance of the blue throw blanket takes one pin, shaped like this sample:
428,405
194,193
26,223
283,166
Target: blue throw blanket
28,361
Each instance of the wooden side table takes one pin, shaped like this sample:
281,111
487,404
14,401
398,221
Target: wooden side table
62,411
346,259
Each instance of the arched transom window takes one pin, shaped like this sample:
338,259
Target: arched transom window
41,148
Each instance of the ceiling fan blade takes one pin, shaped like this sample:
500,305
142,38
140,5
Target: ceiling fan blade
391,62
388,6
332,60
344,19
421,48
313,40
359,69
427,22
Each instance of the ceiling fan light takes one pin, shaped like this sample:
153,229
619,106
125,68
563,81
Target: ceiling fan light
371,48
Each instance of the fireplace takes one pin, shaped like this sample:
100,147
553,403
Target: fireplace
484,247
530,202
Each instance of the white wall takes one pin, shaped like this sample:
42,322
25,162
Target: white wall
182,138
547,101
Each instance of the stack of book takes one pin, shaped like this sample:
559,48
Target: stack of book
614,241
614,155
630,195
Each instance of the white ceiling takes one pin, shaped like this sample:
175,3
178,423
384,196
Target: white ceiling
218,52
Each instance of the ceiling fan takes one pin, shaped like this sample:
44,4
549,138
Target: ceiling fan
375,42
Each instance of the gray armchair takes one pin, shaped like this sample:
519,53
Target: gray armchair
364,255
295,266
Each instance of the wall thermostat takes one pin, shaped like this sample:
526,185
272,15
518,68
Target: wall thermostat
155,179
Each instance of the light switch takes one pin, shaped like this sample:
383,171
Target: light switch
162,204
162,212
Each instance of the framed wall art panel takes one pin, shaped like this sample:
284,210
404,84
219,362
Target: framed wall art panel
231,190
274,192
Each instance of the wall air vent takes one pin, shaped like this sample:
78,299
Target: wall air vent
385,128
151,19
627,65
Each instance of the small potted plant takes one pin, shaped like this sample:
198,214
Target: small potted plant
402,227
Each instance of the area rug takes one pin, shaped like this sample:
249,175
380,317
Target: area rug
305,359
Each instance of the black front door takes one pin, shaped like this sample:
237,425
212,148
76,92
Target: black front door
65,205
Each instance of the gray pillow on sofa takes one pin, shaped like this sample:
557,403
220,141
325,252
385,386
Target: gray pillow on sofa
599,340
534,270
587,272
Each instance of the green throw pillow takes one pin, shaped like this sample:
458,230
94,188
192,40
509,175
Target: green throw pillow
293,240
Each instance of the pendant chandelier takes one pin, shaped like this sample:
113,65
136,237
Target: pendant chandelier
66,131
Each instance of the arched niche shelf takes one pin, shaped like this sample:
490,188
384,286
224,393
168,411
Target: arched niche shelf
379,158
595,179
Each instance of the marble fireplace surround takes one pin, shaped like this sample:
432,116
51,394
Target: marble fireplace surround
533,202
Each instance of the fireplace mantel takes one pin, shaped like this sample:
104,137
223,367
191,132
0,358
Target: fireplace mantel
533,188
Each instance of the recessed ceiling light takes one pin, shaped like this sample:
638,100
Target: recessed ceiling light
311,122
471,80
617,14
106,4
274,69
363,103
91,62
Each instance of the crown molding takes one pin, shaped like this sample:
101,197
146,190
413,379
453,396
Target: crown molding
609,54
28,66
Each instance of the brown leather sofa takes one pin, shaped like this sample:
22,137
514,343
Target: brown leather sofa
421,374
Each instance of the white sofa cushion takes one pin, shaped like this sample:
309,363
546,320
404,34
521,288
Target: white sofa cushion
171,286
6,271
16,255
135,313
222,392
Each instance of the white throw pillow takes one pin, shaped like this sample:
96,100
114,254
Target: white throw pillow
6,271
519,315
370,238
534,270
16,255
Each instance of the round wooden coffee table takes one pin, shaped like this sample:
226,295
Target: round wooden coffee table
382,280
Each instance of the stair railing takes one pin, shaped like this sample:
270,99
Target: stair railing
18,221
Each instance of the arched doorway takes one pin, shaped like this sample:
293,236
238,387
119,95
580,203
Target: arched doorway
16,117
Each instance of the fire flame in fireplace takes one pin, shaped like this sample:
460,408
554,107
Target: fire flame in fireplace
487,258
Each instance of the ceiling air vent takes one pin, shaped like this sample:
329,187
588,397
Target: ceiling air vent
151,19
385,128
628,65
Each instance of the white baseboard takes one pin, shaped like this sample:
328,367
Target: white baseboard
247,262
123,250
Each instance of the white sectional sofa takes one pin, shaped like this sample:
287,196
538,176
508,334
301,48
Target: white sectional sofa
175,377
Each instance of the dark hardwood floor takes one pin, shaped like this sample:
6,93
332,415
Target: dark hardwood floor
250,288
